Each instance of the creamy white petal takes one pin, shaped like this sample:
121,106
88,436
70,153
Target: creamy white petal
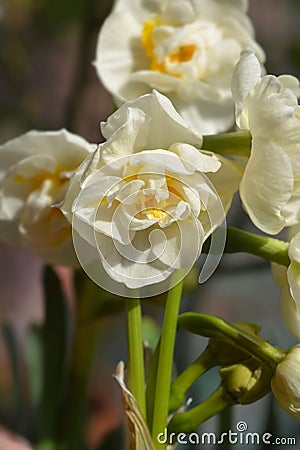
290,82
162,158
271,111
246,74
130,137
294,249
66,148
115,58
293,275
194,159
267,185
167,126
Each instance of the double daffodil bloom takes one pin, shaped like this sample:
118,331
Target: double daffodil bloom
267,106
185,49
148,197
35,170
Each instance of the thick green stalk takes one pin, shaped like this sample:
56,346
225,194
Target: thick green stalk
165,360
211,326
187,378
273,250
136,353
237,143
189,420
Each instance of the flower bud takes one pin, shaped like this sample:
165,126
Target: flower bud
246,382
225,353
286,382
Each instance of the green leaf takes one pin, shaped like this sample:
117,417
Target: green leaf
55,352
34,362
14,358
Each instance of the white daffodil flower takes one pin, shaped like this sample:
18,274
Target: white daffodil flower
185,49
35,170
148,197
268,107
288,279
286,383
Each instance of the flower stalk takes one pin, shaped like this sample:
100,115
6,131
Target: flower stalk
237,143
270,249
136,353
189,420
188,377
211,326
165,359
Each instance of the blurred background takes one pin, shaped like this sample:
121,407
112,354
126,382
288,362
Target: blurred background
47,82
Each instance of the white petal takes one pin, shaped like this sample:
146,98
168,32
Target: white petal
271,110
245,76
294,249
293,275
133,274
120,53
290,82
161,158
131,136
66,148
195,159
262,196
166,126
289,312
206,115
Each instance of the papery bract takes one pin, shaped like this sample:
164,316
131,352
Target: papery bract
148,198
185,49
268,107
286,383
35,169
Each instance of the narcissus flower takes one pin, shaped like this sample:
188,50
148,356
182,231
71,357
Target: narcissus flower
185,49
288,279
148,197
267,106
35,169
286,383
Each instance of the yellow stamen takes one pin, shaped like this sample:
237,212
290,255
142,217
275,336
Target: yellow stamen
183,54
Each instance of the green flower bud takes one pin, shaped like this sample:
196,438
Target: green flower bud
225,353
247,381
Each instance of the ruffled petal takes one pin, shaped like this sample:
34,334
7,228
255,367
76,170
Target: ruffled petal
246,74
267,185
166,126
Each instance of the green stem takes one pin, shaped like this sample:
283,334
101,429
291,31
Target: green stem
237,143
211,326
136,353
271,249
165,360
84,344
189,420
187,378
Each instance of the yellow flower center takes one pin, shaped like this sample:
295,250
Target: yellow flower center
181,54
